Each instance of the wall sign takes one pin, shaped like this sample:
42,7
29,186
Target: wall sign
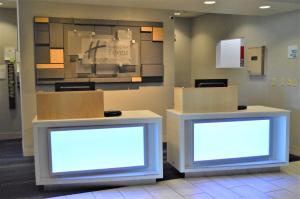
292,52
97,50
11,85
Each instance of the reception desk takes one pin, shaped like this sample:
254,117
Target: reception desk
211,143
102,151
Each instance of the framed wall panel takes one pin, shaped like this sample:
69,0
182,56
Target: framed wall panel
104,51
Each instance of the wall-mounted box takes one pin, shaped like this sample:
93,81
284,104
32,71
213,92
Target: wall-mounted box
69,105
206,100
256,60
230,53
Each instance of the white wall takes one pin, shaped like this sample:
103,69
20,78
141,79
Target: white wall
276,32
157,98
10,120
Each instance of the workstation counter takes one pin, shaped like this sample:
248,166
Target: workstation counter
204,143
104,151
75,144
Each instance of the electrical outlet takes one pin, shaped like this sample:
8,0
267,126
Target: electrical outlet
294,82
289,82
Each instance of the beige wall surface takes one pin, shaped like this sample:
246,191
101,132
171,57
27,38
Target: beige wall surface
276,32
157,97
183,32
10,120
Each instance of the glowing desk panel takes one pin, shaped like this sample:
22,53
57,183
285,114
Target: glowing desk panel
103,151
255,138
96,149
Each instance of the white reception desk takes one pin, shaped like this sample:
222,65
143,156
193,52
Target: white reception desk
102,151
211,143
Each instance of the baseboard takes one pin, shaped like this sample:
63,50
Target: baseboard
10,135
295,150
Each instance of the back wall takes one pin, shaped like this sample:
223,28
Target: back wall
276,32
156,98
10,120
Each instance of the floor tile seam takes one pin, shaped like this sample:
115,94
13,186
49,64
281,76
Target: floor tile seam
287,191
242,184
266,191
152,196
204,192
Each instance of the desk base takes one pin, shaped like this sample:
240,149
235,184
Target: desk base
232,172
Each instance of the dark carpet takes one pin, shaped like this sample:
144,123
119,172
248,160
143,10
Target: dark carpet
17,178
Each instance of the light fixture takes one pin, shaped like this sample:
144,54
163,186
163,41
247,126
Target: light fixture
177,13
264,7
209,2
1,3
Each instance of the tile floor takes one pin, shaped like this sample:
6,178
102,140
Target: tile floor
279,185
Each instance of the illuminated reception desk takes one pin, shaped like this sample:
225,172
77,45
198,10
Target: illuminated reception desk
102,151
209,143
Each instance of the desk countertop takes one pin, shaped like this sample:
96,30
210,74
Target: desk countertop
249,111
126,115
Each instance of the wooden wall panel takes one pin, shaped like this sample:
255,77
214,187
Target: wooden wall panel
205,100
69,105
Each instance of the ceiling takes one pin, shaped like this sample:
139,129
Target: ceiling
191,8
8,4
242,7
